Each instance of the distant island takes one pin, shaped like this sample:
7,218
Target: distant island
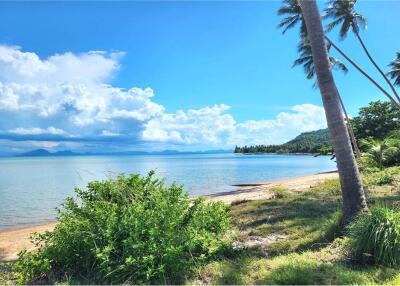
46,153
314,142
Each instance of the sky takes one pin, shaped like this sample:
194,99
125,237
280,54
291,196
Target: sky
118,76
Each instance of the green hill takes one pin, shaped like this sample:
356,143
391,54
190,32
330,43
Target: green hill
307,142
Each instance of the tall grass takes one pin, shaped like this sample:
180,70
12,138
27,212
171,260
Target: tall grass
376,237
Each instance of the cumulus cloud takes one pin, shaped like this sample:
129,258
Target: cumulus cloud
215,127
196,126
68,98
69,94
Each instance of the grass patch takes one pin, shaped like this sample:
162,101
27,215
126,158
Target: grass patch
305,219
313,250
293,269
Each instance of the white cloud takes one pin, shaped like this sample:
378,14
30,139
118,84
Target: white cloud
196,126
286,125
70,92
69,96
214,126
37,131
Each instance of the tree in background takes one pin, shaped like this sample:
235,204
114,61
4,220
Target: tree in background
291,9
354,200
377,120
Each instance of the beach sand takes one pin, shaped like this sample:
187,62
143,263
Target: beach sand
15,240
261,191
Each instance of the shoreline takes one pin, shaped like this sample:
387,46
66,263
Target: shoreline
13,240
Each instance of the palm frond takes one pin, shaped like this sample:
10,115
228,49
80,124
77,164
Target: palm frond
360,20
288,23
394,72
292,9
329,27
338,65
344,29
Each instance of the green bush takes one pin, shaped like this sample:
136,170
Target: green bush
129,230
367,165
375,237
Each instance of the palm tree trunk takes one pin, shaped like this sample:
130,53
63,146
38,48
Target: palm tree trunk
393,101
352,191
375,64
350,129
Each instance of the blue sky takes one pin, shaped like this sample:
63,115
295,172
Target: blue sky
205,75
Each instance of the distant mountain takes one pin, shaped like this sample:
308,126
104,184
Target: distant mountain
45,153
37,152
307,142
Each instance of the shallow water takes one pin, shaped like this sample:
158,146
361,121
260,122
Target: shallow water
31,187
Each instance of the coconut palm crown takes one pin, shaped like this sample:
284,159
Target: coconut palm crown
292,10
343,13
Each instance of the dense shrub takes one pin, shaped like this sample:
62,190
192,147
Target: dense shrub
375,237
129,230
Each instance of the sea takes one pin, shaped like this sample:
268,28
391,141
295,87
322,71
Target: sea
32,187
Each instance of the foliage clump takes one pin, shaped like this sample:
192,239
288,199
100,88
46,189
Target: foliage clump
378,120
132,229
376,237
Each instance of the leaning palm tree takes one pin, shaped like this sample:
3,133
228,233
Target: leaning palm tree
352,191
394,73
291,9
343,14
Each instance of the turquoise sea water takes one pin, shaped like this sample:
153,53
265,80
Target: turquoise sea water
31,187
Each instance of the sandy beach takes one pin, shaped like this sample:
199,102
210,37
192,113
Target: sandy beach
15,240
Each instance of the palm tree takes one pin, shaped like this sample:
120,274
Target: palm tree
395,70
352,191
292,9
343,13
